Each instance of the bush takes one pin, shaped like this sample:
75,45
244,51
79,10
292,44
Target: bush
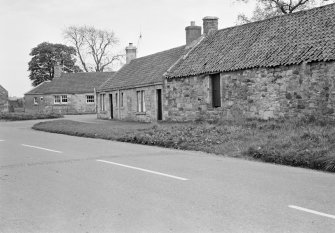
20,116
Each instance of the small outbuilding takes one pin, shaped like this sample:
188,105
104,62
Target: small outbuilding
68,93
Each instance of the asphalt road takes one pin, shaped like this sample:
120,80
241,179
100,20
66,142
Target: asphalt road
57,183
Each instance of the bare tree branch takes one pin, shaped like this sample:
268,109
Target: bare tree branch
269,8
96,44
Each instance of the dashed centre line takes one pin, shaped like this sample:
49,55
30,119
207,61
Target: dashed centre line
312,211
41,148
144,170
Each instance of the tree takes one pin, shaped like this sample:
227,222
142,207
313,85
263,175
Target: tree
269,8
45,56
94,47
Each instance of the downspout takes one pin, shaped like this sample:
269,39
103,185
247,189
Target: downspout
118,104
95,100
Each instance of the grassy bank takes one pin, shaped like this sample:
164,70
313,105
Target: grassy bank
307,142
21,116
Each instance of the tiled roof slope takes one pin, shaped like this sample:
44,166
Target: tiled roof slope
284,40
144,70
72,83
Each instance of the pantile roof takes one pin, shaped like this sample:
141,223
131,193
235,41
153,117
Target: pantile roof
144,70
72,83
304,36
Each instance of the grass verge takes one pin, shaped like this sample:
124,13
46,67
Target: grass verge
306,142
21,116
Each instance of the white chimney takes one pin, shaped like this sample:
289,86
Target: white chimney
130,53
193,32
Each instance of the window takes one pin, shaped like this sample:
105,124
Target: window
216,93
116,100
64,98
35,100
102,102
89,99
140,101
121,101
58,99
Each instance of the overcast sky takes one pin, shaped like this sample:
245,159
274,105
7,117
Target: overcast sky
25,24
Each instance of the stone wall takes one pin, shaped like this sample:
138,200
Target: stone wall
129,109
4,105
285,91
45,104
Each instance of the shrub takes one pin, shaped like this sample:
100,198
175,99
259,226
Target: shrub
20,116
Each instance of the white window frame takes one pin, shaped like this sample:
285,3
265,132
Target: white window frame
57,99
35,101
140,101
60,99
64,99
90,99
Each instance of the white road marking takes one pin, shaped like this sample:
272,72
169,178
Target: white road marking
1,140
144,170
312,211
41,148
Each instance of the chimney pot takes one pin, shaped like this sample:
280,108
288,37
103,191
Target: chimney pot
193,32
130,53
210,23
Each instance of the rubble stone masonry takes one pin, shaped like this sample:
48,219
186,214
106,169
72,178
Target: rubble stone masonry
284,91
45,104
3,100
128,110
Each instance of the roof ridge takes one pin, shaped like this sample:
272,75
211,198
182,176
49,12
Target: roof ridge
277,16
153,54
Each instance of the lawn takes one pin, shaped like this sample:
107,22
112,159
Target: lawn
306,142
21,116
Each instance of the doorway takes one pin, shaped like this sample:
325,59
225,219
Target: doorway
111,104
159,105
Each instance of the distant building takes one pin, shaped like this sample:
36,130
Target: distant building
67,93
3,99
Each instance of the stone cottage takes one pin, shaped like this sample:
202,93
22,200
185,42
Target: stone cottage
67,93
135,92
279,67
3,99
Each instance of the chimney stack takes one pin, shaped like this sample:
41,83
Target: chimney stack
210,24
57,70
130,53
193,32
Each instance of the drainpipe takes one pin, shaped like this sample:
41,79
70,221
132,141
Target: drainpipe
118,104
95,100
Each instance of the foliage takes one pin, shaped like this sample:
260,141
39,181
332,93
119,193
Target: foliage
93,45
269,8
304,142
45,56
20,116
